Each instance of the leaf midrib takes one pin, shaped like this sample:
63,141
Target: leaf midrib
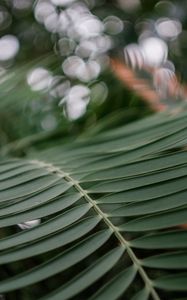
63,175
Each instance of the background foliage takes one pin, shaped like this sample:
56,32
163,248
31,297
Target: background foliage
29,22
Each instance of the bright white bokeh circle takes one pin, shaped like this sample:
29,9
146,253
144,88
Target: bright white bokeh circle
154,51
9,47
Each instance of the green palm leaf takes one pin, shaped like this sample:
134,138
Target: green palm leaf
111,210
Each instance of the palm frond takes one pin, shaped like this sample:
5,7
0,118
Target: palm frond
112,210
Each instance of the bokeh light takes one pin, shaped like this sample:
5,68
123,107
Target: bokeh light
76,101
62,2
39,79
5,18
168,28
49,122
113,25
22,4
154,51
133,56
129,6
9,47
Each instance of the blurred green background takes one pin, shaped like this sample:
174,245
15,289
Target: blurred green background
55,72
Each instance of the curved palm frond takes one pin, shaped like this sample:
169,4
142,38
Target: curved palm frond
112,210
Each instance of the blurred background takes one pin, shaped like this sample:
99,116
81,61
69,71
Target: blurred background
70,68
